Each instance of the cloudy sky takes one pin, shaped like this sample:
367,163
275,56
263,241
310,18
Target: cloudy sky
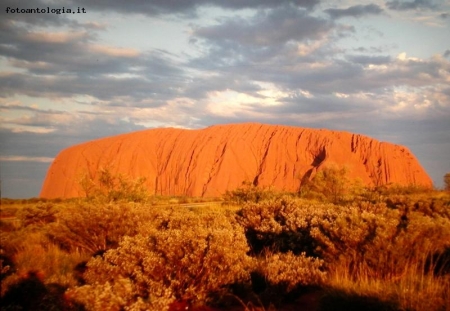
379,68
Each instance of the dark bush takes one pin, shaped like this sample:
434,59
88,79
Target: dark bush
30,293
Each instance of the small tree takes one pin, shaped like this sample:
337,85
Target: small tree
331,183
114,187
87,185
248,192
447,182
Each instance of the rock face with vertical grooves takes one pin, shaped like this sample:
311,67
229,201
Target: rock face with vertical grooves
209,161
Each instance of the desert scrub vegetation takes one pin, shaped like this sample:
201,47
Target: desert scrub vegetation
380,248
107,186
394,252
287,271
248,192
26,246
88,227
182,256
329,184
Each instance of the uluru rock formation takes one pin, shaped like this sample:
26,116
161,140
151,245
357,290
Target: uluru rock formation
209,161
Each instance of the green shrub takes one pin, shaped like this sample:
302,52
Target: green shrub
332,184
383,239
38,215
289,271
396,189
90,226
29,249
248,192
430,204
368,249
283,225
181,256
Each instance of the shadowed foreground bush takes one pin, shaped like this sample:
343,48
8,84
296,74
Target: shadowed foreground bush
366,248
183,257
30,293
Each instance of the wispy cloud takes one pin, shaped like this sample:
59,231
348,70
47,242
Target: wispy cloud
402,5
113,51
26,159
355,11
267,29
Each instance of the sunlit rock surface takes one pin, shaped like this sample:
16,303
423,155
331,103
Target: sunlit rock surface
209,161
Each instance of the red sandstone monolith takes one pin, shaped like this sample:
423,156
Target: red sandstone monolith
209,161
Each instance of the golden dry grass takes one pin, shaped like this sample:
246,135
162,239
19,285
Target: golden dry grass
373,254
